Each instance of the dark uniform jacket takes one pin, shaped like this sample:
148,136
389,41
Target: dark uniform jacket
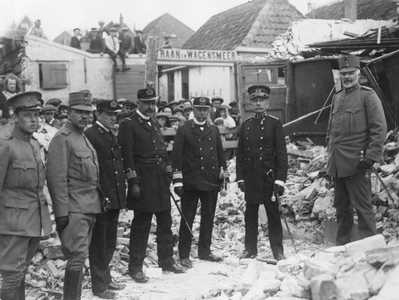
139,46
357,123
97,43
23,207
73,173
75,43
144,154
261,147
112,172
198,154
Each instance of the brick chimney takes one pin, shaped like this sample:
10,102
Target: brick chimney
351,9
121,20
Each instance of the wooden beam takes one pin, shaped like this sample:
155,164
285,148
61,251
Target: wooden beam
151,62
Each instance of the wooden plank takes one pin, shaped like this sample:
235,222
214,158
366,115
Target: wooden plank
151,62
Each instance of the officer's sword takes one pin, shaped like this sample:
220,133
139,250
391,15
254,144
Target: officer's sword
181,214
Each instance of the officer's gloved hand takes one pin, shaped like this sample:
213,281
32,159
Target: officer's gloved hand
136,191
61,223
241,186
179,191
278,189
364,165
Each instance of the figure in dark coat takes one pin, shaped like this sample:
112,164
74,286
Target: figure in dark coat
113,185
139,44
148,172
97,44
197,158
75,42
261,169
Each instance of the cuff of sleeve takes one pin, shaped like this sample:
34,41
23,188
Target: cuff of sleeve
177,184
131,176
279,182
177,178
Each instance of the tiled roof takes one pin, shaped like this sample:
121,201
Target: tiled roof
168,25
366,9
253,24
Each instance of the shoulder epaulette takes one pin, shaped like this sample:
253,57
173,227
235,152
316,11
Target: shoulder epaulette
247,119
273,117
366,88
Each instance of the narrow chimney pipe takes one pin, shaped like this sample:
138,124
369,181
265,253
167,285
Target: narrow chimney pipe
351,10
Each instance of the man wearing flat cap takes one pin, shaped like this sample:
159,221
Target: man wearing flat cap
356,132
24,214
197,160
148,173
75,40
112,184
72,178
139,44
262,167
97,44
126,43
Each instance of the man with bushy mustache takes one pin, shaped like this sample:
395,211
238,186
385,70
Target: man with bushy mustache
356,133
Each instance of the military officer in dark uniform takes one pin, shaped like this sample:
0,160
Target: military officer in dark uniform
72,178
24,214
356,133
197,158
261,169
112,184
148,173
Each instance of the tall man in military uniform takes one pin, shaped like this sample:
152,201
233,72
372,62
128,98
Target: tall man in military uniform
356,133
196,161
24,214
112,184
148,173
72,177
261,169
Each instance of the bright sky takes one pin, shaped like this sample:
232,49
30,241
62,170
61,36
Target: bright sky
59,15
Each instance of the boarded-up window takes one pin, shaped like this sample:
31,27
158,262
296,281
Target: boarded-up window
53,76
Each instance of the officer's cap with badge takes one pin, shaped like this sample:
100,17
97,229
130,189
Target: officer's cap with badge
146,95
108,106
349,63
25,101
81,100
258,91
203,102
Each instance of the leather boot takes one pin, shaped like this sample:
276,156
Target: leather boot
72,284
10,294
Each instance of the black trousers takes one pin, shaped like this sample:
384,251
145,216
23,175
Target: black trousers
102,247
113,57
354,191
139,232
189,205
274,224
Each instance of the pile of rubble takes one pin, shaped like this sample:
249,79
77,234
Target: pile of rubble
365,269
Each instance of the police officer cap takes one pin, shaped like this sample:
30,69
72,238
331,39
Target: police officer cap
258,91
146,94
131,103
108,106
162,115
349,63
178,108
217,98
25,101
81,100
54,102
49,107
201,102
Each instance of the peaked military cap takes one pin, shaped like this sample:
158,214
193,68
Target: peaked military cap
108,106
201,102
349,63
26,101
146,94
258,91
81,100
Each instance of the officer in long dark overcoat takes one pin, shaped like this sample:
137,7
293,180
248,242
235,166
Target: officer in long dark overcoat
261,168
196,161
356,133
148,173
113,186
24,215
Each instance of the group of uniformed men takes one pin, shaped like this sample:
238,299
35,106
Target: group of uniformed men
88,172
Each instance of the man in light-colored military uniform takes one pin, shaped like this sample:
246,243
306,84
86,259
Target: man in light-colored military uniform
356,133
24,214
73,178
262,167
